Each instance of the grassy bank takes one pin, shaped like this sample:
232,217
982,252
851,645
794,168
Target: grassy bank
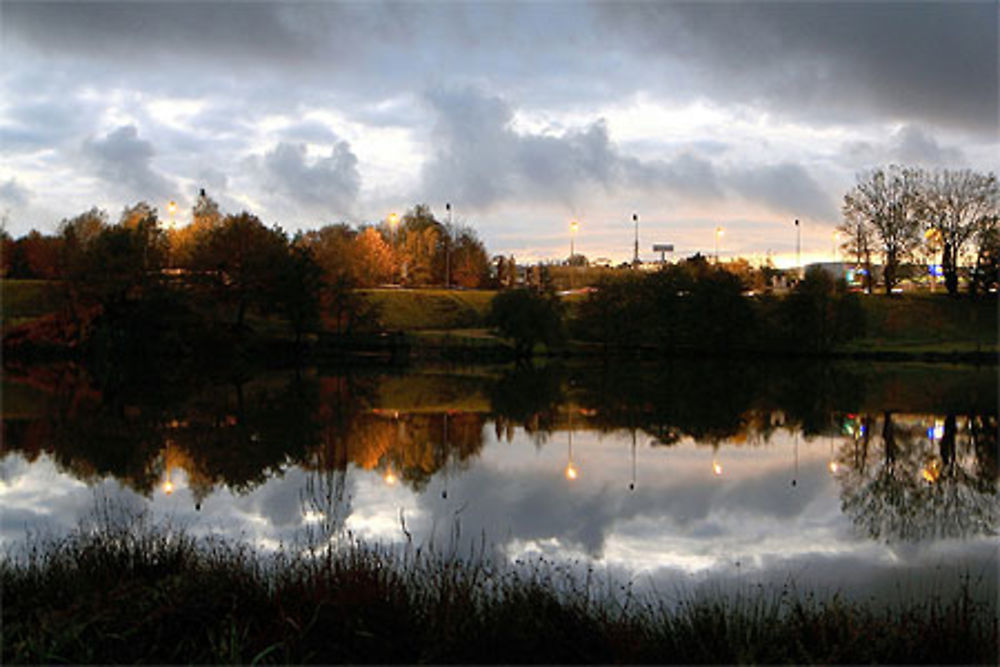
415,309
910,325
920,323
24,300
116,595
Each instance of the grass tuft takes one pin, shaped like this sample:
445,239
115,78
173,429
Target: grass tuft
117,591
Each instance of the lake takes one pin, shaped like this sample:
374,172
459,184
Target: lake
869,479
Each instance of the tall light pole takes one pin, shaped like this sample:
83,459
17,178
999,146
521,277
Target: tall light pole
798,246
635,253
393,221
836,239
447,249
573,226
718,232
172,209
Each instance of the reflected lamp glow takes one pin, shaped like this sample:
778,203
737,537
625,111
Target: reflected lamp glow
716,469
571,471
931,472
390,477
834,467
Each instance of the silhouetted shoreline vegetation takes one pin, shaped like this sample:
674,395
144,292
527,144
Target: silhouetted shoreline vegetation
229,288
116,592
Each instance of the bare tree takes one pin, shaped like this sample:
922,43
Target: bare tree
889,199
956,203
859,234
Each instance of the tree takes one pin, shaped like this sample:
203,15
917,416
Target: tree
860,240
374,258
955,204
36,255
470,265
205,217
421,246
241,260
529,317
820,312
298,288
986,273
889,200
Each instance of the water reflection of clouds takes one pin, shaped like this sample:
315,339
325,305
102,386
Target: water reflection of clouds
680,523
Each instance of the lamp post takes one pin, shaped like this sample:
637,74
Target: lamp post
798,247
393,221
836,240
635,253
172,209
718,232
447,249
573,226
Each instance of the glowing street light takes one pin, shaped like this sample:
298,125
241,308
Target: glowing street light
172,209
573,227
719,231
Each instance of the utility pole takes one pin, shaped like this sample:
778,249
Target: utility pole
447,249
798,247
635,254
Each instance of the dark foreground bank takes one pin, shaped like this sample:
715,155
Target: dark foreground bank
129,595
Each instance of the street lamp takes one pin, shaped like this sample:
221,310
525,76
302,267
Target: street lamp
718,232
798,246
635,254
836,242
447,249
573,227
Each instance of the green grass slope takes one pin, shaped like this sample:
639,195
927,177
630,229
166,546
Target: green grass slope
416,309
927,323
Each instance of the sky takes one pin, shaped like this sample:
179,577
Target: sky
523,116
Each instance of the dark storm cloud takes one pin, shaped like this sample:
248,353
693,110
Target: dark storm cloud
785,187
931,61
327,184
908,145
123,160
230,31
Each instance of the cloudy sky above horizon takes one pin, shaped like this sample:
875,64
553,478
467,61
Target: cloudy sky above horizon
523,116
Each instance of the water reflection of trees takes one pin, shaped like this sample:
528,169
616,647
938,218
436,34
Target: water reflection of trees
898,481
237,434
905,477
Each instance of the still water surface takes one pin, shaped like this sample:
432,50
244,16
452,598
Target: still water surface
859,479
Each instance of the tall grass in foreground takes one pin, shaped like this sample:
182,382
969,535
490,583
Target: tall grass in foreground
113,594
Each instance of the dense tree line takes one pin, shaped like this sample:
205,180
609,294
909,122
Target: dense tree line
696,307
137,281
904,212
